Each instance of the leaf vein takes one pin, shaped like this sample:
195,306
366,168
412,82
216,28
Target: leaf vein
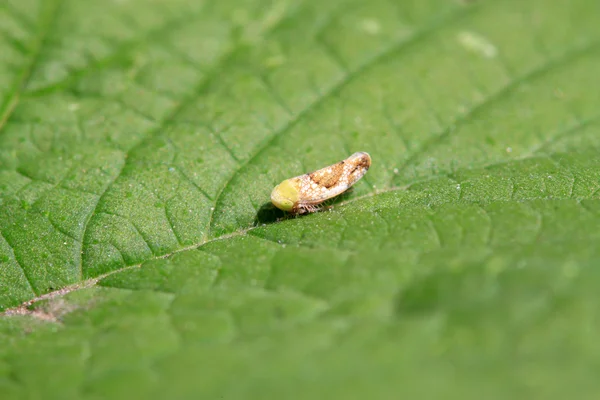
566,58
333,91
117,55
47,20
12,249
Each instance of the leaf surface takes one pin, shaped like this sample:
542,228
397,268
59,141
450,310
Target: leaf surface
139,142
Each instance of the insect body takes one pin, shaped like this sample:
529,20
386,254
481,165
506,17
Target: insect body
304,193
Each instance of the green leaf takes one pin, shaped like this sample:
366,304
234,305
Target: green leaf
139,143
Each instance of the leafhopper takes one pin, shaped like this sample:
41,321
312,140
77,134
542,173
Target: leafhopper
303,194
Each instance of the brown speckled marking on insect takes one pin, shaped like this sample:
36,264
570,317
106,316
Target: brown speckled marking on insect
362,162
329,176
316,187
360,167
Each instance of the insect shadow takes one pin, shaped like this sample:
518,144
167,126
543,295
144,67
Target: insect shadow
268,213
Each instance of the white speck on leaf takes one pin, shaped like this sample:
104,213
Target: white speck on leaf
370,26
509,149
476,43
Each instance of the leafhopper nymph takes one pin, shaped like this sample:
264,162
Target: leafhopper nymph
304,193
